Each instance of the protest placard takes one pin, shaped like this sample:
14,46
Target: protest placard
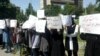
66,20
2,24
90,24
54,22
32,17
40,13
25,25
30,23
13,23
40,26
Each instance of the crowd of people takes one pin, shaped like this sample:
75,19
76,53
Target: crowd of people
49,43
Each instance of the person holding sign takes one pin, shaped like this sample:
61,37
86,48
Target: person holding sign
8,38
92,37
41,40
71,43
44,37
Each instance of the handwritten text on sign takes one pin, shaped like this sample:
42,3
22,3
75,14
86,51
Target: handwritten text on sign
90,24
54,23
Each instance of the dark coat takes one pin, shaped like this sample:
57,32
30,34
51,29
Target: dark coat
92,44
45,41
1,42
74,39
57,43
1,37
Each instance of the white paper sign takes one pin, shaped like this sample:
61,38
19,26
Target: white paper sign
54,23
40,13
2,24
32,17
90,24
40,26
13,23
25,25
66,20
30,23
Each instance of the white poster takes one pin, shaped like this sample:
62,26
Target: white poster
13,23
2,24
32,17
25,25
30,23
40,13
54,23
66,20
90,24
40,26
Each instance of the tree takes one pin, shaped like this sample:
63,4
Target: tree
91,9
52,10
97,1
20,16
30,10
7,10
68,9
98,6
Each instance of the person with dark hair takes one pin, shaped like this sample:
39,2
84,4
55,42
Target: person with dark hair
71,42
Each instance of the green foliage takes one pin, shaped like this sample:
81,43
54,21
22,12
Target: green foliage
30,10
20,16
97,1
98,6
78,11
90,9
52,10
68,9
7,10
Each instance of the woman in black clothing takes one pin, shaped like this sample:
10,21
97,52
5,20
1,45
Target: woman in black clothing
45,43
92,44
71,42
57,46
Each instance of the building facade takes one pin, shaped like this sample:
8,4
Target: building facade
49,2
